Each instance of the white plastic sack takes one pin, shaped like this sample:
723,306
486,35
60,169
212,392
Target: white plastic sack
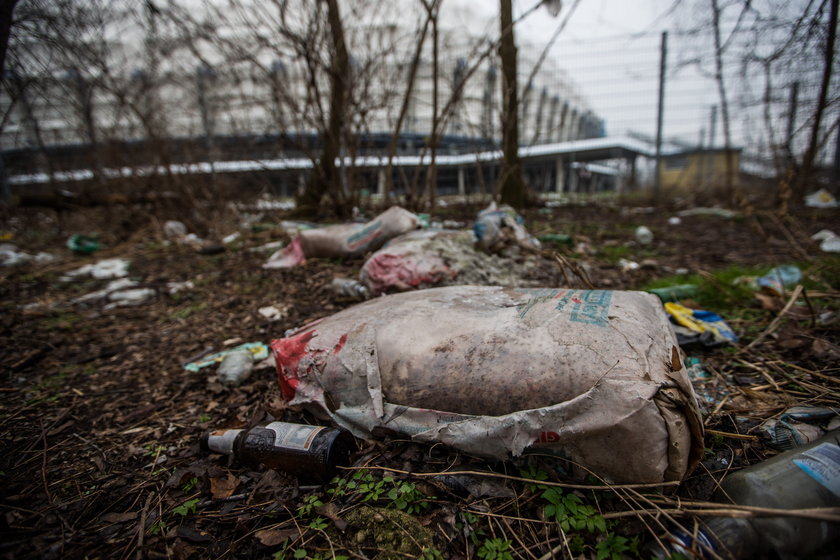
345,240
593,376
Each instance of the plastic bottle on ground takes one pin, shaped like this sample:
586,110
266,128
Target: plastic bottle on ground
805,477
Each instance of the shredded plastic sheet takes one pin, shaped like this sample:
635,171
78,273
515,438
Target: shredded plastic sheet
345,240
591,376
700,321
258,349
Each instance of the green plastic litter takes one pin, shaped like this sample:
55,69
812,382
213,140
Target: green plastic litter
83,244
675,293
561,238
258,349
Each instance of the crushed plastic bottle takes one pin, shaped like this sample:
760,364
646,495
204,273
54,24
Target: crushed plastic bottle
236,367
347,289
806,477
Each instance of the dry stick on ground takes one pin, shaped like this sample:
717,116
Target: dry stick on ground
577,270
777,321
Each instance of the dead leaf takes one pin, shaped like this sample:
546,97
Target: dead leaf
331,512
825,349
223,487
676,363
273,537
119,517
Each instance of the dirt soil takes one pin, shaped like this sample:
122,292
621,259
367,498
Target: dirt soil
99,444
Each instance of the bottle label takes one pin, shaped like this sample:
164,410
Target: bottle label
293,436
822,463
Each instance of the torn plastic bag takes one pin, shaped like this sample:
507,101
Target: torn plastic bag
701,322
591,376
345,240
498,228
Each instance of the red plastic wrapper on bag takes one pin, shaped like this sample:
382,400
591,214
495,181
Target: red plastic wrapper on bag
592,376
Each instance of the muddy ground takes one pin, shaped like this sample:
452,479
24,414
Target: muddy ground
99,454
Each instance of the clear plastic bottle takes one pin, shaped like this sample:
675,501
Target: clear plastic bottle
805,477
311,453
345,288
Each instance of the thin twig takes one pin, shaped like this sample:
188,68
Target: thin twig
777,321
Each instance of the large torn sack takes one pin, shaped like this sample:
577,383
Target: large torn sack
591,376
427,258
345,240
415,259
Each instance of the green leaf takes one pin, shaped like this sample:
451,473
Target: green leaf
186,508
300,553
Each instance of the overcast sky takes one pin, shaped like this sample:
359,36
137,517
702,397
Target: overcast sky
610,49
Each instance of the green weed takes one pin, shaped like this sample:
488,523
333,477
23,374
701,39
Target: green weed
495,549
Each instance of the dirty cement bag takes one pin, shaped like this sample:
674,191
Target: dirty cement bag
350,240
412,260
345,240
592,376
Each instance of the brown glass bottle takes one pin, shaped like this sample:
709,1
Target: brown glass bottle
311,453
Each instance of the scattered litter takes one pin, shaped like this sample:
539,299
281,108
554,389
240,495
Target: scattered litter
113,286
494,371
273,313
267,204
258,349
272,246
235,367
349,290
829,241
643,235
699,322
797,426
719,212
694,367
674,221
10,256
83,244
102,270
232,238
292,228
557,238
675,293
345,240
130,297
176,287
775,281
627,266
821,199
174,229
500,228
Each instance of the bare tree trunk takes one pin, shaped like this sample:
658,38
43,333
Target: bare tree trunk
431,176
431,9
813,144
325,177
724,103
7,7
512,188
